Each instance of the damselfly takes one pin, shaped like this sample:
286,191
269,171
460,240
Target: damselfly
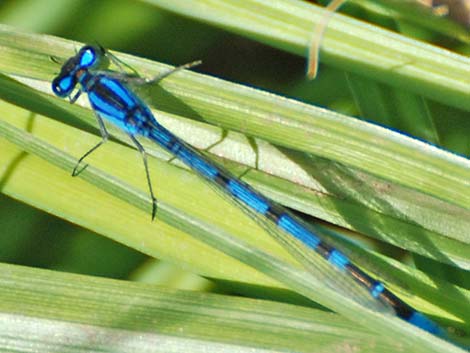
112,99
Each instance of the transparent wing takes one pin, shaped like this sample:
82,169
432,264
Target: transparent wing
315,264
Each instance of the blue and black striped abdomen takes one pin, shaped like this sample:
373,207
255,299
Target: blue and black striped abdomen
256,203
113,100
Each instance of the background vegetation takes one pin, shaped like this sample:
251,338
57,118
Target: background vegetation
404,204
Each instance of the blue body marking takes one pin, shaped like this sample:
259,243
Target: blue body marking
113,100
293,226
377,289
251,199
339,260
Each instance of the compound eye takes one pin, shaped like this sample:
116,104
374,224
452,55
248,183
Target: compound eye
87,57
63,86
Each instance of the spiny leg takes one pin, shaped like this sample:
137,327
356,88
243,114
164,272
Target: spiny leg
118,62
75,96
135,77
143,81
104,138
147,173
174,70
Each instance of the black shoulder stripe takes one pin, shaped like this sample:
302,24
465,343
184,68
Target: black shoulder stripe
274,214
324,249
221,180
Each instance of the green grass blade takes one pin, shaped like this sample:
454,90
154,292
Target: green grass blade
300,281
403,110
227,102
360,147
71,313
416,13
348,43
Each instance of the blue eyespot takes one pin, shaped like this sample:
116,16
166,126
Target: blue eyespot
63,86
87,57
